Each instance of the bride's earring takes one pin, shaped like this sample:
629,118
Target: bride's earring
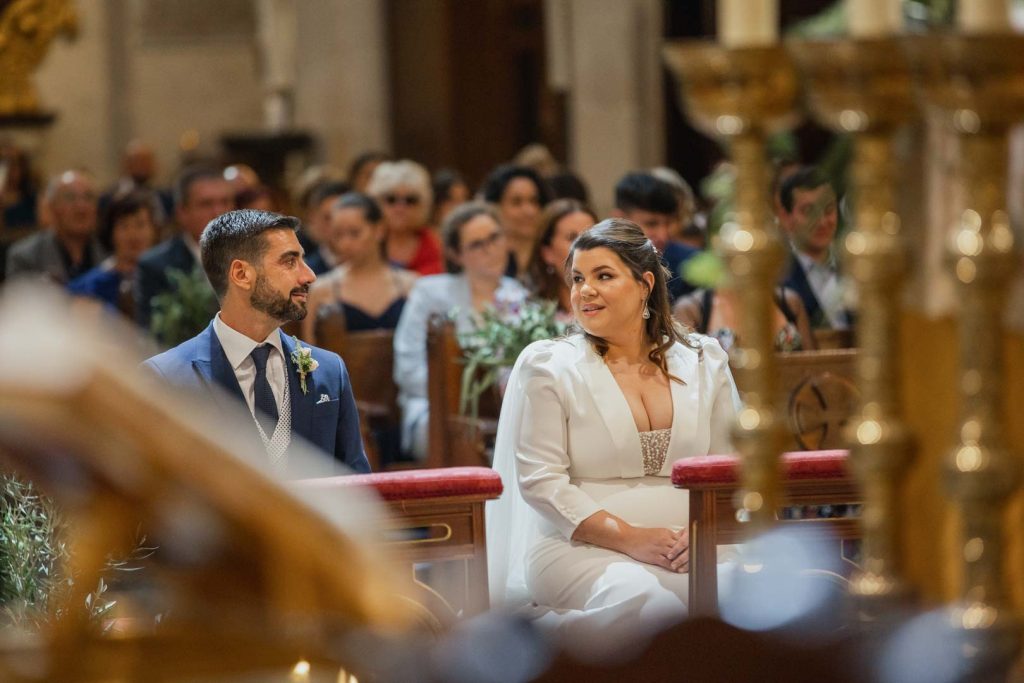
647,312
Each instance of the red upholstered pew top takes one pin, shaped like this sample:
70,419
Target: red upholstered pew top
422,484
723,470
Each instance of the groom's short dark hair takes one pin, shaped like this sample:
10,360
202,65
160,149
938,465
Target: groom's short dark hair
237,235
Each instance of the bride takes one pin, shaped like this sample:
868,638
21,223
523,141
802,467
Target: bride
590,536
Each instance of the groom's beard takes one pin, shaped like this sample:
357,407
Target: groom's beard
281,308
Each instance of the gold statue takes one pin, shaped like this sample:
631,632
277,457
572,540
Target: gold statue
27,27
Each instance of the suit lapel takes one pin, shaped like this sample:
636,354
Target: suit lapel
799,282
212,365
301,404
685,402
614,410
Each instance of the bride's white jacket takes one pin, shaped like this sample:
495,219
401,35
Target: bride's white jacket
564,419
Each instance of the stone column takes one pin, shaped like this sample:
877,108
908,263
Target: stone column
342,86
615,90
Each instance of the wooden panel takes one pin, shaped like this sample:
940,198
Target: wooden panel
820,394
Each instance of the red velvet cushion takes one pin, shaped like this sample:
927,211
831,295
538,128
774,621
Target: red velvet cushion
421,484
724,469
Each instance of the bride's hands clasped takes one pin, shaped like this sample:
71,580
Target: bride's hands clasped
661,547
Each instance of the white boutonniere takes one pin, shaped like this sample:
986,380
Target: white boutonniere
304,362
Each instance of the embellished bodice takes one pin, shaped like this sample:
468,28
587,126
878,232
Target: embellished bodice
654,448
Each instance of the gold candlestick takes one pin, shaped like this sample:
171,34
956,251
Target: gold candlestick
743,95
977,82
863,88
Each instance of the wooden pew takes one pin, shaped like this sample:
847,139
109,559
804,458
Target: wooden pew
370,359
809,477
818,394
453,440
438,517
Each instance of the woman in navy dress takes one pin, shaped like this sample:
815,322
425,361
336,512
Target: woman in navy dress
368,291
126,232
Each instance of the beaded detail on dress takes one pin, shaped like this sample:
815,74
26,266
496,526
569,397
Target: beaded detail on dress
654,447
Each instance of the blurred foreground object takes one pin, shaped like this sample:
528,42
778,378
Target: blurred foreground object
245,578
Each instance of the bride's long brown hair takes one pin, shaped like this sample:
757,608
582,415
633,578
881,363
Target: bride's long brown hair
628,242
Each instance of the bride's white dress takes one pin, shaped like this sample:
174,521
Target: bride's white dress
567,447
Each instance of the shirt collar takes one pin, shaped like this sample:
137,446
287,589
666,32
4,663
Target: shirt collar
809,263
237,347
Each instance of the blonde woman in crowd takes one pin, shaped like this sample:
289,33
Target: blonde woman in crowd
402,188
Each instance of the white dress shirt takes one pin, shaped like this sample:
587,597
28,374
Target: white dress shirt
238,347
825,283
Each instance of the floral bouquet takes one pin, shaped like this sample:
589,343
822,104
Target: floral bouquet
499,335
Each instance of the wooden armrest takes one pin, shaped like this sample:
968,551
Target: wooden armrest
721,471
481,483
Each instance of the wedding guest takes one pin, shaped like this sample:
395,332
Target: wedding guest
260,198
652,204
590,537
560,224
519,193
368,291
139,169
68,247
200,195
565,184
716,312
18,193
810,219
362,168
253,260
402,188
127,230
321,258
477,252
450,190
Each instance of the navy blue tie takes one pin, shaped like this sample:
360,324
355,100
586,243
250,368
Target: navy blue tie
265,407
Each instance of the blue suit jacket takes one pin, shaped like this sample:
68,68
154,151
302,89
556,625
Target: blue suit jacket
331,425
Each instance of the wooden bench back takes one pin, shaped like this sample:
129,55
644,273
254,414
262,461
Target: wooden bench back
452,440
820,394
370,359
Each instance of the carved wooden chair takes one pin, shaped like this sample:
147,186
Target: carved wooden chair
370,359
453,439
809,478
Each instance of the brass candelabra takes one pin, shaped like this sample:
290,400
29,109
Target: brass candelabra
743,95
977,83
864,88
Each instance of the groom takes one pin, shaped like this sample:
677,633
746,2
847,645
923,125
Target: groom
254,262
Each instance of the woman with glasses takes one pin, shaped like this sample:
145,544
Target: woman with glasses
365,289
477,254
402,188
520,194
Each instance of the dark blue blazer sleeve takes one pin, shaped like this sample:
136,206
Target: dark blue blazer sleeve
348,446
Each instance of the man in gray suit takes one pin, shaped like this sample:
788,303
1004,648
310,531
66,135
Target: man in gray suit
69,246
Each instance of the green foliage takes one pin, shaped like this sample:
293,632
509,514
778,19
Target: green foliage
185,309
32,551
34,582
496,340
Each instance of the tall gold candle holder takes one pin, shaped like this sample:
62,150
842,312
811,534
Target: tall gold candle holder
864,88
743,95
977,82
